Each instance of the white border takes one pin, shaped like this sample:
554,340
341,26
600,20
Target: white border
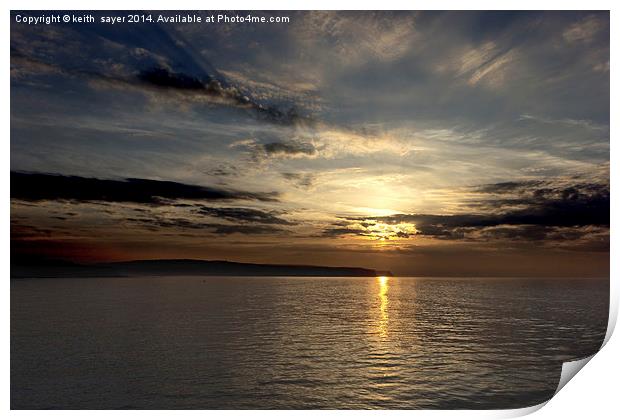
593,394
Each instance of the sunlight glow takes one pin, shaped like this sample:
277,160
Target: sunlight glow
375,230
374,212
383,308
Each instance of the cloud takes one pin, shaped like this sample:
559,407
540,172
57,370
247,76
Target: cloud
266,87
164,78
584,30
495,71
601,67
22,66
579,205
539,233
487,62
247,230
181,83
156,223
567,122
237,214
335,232
356,38
161,71
529,210
543,203
414,107
507,187
276,149
301,180
40,187
21,231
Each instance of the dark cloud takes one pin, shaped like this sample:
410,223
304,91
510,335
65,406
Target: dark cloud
302,180
158,77
529,233
546,204
164,78
575,205
217,90
156,223
506,187
150,58
277,148
533,191
224,170
25,231
38,187
237,214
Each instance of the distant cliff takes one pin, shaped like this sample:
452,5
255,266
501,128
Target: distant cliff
183,268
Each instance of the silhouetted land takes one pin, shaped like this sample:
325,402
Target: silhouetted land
25,268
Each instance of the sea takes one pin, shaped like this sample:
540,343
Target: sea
298,342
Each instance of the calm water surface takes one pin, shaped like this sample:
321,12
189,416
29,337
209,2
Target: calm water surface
282,342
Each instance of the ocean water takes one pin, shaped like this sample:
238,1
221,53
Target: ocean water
288,343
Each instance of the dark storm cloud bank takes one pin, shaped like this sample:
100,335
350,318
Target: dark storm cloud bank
40,187
514,211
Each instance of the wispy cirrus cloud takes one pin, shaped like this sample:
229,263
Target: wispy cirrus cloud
584,30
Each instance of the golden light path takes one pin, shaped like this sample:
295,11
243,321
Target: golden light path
383,322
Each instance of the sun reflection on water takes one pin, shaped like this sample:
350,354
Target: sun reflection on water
383,308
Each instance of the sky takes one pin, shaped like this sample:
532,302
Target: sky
425,143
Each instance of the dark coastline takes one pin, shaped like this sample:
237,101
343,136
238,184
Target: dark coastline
180,267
